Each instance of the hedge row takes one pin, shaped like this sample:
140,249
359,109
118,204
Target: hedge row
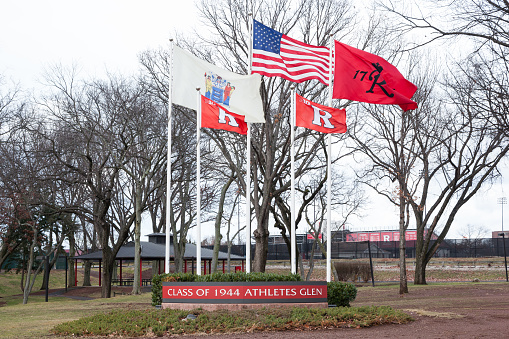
338,293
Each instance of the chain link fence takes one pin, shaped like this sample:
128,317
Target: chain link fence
449,248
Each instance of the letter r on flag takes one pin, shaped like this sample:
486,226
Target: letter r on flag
231,119
215,116
319,117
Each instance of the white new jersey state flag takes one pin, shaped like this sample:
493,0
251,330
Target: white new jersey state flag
237,93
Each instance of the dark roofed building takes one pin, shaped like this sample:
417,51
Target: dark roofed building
155,251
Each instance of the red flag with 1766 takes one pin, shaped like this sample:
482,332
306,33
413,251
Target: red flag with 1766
215,116
319,117
366,77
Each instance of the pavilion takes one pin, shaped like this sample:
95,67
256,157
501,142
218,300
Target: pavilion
154,251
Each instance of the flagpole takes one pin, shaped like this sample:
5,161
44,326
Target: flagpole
292,190
168,166
198,184
329,179
248,163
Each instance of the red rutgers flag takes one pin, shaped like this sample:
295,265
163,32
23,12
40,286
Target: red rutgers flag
365,77
215,116
319,117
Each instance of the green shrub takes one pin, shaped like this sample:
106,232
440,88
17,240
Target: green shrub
157,284
340,294
157,280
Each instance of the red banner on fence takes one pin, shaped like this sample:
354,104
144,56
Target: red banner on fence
384,236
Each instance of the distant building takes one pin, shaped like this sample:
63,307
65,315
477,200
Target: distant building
497,234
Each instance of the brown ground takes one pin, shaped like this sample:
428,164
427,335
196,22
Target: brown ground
466,310
470,310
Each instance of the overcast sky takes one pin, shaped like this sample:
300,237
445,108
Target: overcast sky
93,34
100,35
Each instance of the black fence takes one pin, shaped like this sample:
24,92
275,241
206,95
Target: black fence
449,248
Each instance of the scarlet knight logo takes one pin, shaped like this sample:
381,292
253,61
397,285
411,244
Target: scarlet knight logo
218,89
374,76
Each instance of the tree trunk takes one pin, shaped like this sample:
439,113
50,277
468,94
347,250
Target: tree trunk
217,243
107,271
26,288
137,240
300,265
155,268
70,260
420,255
261,235
220,210
228,256
87,268
28,285
420,273
311,260
403,285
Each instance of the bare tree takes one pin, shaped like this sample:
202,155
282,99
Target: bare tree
88,137
480,29
13,109
450,150
270,141
481,21
147,154
231,234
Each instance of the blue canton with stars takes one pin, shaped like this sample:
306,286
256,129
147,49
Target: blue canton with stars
266,38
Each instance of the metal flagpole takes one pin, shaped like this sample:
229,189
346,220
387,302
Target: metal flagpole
292,190
198,183
168,166
248,162
329,181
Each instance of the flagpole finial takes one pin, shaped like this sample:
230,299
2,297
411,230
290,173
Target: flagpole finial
171,39
292,87
197,88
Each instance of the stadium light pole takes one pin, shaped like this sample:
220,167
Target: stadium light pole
502,201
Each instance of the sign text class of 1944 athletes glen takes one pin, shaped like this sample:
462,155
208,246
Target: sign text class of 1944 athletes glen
245,292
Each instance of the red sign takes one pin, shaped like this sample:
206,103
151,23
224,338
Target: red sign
247,292
395,236
374,236
363,237
411,235
382,236
312,236
386,236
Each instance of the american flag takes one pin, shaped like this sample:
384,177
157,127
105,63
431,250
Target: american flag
275,54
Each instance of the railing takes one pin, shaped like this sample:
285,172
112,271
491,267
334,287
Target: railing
130,282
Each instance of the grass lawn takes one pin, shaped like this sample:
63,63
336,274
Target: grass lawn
38,318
